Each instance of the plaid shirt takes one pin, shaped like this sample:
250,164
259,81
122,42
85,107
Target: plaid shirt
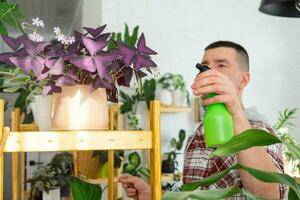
197,165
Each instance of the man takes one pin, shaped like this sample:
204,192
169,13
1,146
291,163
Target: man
228,77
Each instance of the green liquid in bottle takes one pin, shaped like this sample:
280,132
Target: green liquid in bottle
218,124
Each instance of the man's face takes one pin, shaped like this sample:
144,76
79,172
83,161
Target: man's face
224,60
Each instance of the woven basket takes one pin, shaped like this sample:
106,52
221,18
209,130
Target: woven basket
87,165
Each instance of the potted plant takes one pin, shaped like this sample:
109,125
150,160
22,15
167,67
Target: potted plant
134,168
61,166
43,185
179,93
135,105
165,86
291,148
78,70
170,164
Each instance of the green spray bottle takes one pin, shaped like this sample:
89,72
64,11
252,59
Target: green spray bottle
218,125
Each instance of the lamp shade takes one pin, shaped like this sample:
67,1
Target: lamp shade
283,8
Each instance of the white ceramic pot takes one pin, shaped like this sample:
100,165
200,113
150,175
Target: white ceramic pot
76,108
164,96
177,97
41,109
52,195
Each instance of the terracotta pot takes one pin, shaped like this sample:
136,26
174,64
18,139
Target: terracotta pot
76,108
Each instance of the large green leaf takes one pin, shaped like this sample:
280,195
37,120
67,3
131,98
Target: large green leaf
144,171
202,195
269,177
82,190
134,159
245,140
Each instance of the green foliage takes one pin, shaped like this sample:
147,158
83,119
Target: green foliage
166,81
128,39
254,137
55,174
269,177
245,140
285,117
43,179
62,167
118,157
148,91
82,190
176,145
10,16
133,166
14,80
202,195
130,102
292,148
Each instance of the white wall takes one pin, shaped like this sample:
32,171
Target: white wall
179,30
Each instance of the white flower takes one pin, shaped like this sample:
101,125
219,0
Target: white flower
69,40
35,37
56,30
37,22
61,37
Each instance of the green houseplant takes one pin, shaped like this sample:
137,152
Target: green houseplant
170,164
245,140
43,180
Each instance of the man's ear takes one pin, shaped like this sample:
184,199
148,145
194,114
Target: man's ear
245,80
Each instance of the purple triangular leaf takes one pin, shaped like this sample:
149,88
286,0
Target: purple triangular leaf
95,32
102,61
38,65
125,77
56,66
5,57
22,62
142,48
33,48
103,37
142,61
13,43
46,90
127,53
84,62
65,80
112,95
93,46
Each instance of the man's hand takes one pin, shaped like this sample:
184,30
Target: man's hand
136,187
212,81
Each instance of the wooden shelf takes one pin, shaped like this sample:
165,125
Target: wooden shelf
77,140
174,109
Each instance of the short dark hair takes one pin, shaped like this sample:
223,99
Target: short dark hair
241,51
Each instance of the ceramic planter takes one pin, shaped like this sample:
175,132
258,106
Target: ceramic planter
177,97
164,96
77,108
41,109
52,195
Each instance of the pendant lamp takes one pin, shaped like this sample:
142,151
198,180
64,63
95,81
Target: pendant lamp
282,8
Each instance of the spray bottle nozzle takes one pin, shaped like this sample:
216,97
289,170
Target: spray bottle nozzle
202,68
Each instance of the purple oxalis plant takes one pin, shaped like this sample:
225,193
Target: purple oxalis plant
86,60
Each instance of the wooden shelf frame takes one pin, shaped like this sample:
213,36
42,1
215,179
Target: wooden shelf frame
17,141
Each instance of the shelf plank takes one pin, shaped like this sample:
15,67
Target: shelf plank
174,109
77,140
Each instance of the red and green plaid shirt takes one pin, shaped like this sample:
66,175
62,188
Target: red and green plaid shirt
198,165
